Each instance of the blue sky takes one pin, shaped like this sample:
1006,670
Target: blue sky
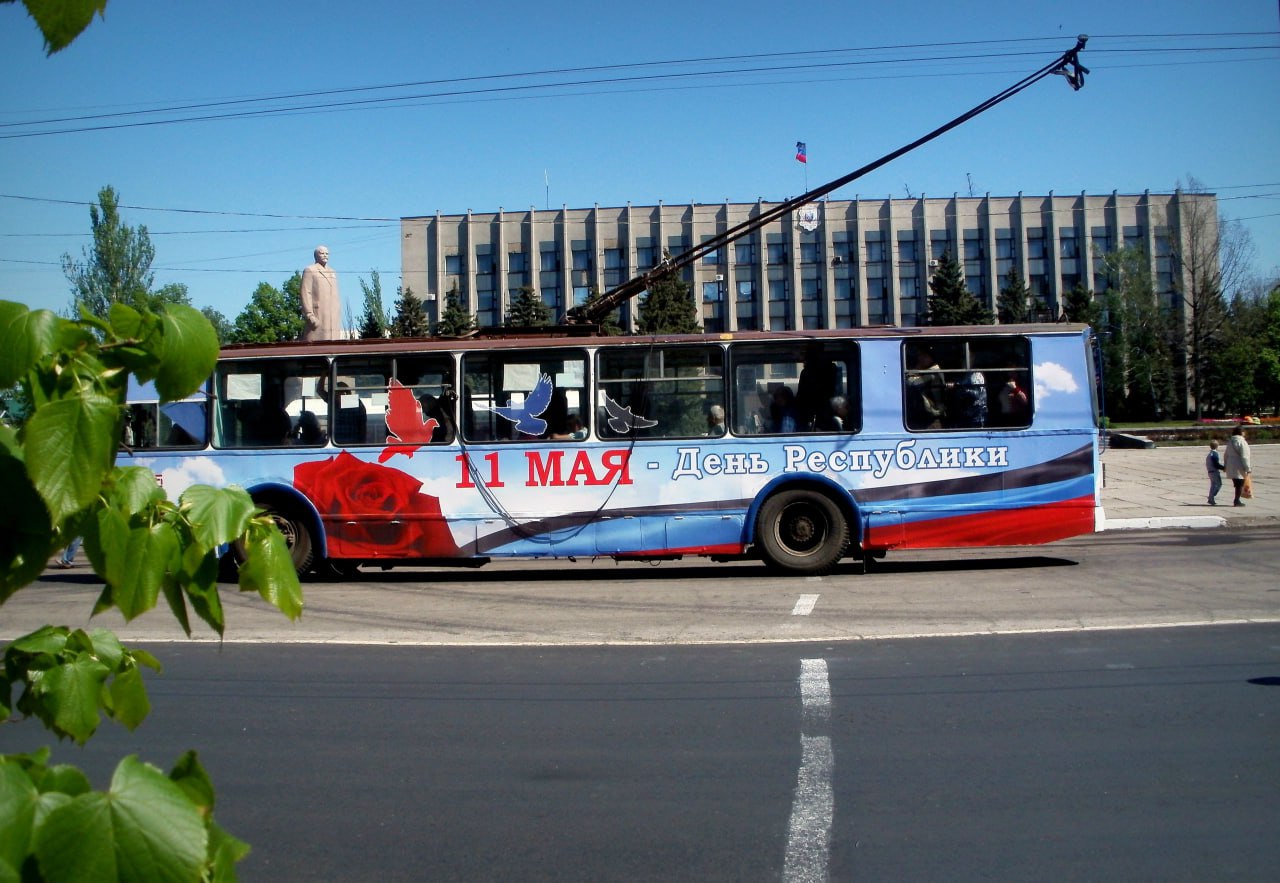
230,203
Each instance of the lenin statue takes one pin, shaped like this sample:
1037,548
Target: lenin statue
320,305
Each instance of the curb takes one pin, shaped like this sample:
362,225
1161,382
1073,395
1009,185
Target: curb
1159,522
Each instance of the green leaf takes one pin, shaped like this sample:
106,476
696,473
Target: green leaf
268,569
25,528
148,554
143,828
70,448
71,693
18,798
217,515
135,488
129,703
64,779
190,775
188,353
25,336
61,21
207,604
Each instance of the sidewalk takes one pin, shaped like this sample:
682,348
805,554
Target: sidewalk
1168,487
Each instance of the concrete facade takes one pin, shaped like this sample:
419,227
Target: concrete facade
835,263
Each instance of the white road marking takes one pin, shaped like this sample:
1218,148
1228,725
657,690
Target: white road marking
813,807
805,605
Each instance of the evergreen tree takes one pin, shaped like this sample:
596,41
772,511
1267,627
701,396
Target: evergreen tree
610,325
950,302
272,315
117,267
1079,306
411,316
528,310
373,323
1013,305
668,308
455,321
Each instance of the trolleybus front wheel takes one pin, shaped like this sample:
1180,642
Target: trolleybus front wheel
297,537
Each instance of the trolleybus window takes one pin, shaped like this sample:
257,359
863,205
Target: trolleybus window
967,383
270,403
361,398
659,391
524,395
778,390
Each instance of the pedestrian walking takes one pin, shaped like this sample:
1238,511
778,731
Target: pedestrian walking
68,557
1213,465
1237,462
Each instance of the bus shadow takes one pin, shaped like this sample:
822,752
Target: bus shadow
591,571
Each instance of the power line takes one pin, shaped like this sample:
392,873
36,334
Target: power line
526,89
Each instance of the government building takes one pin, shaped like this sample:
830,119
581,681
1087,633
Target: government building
834,263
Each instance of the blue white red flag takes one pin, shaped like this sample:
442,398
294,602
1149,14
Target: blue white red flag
802,154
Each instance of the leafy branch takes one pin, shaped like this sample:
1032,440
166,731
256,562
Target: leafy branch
61,480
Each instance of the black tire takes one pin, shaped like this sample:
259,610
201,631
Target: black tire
297,536
801,532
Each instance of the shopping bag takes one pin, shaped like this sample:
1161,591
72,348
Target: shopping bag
1247,490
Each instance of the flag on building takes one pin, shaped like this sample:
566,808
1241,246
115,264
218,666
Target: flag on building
801,153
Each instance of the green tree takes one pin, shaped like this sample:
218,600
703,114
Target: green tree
272,315
455,321
61,480
411,316
60,21
528,310
221,326
950,302
611,325
1213,255
373,323
1013,305
116,269
1139,369
668,308
1079,306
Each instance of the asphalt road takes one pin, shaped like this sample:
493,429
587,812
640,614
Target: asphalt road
1108,580
1121,755
1023,714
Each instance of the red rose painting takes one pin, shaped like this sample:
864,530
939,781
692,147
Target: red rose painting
372,511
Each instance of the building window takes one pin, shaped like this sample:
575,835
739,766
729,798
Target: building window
1035,244
517,262
1068,247
549,257
777,252
646,257
744,253
712,292
453,264
907,251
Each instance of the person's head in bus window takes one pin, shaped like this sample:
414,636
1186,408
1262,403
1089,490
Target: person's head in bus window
715,420
841,414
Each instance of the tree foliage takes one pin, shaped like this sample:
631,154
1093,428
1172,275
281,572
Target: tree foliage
668,308
116,269
271,315
1079,306
1136,333
373,322
455,321
411,316
528,310
61,480
1014,304
950,302
610,325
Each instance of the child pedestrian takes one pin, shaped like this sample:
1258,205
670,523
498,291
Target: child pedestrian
1213,465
